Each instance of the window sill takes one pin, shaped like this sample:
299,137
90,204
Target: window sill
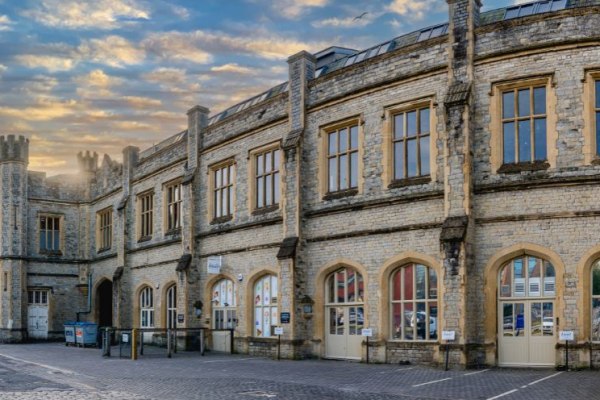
523,167
103,250
173,232
145,238
265,210
221,220
51,253
418,180
340,194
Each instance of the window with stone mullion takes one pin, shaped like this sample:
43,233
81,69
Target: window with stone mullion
342,158
174,218
223,191
49,233
267,179
411,136
524,124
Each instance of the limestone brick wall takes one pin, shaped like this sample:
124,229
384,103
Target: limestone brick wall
371,108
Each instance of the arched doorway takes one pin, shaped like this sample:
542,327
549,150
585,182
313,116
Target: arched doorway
104,296
344,313
527,312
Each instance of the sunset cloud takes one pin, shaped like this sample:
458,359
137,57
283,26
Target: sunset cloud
114,51
233,68
98,14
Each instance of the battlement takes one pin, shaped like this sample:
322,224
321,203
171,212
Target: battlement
14,149
87,162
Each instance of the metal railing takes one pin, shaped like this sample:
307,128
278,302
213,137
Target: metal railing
134,342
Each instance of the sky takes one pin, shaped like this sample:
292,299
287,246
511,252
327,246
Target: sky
100,75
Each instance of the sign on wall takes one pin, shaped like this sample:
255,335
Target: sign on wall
285,317
213,264
448,335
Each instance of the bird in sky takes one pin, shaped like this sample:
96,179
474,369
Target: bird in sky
360,16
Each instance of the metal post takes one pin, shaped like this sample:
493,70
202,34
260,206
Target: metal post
169,343
141,342
367,349
567,355
447,356
134,344
278,347
201,342
231,338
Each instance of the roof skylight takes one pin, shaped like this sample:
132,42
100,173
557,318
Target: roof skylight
534,8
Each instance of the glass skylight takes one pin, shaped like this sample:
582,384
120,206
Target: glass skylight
534,8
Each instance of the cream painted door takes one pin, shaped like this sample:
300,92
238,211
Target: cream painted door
343,337
223,318
526,333
37,326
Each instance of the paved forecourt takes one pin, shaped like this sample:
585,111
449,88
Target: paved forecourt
53,371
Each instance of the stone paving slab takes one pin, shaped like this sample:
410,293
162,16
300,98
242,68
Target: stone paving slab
223,376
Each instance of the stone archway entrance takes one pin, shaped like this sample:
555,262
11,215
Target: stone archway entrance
104,296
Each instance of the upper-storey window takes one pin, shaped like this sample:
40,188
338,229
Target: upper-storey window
524,124
146,217
591,106
523,133
534,8
49,228
411,136
342,158
267,178
173,199
222,190
104,230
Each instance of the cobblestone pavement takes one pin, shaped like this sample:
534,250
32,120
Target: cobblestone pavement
53,371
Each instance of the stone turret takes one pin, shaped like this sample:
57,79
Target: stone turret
14,149
88,163
14,157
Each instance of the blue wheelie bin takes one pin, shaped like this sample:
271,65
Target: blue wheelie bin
86,333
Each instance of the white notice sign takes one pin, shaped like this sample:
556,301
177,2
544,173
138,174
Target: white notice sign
567,335
367,332
448,335
125,338
278,331
214,264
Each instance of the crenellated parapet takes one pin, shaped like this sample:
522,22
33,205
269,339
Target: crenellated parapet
14,148
87,162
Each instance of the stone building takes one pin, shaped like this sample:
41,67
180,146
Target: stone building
441,181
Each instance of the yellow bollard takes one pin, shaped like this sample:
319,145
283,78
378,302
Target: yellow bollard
134,344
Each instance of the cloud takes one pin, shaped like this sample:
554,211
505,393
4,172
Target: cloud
349,22
3,68
142,102
181,12
165,75
44,110
176,46
294,9
114,51
412,8
96,84
39,85
5,23
44,162
198,46
50,63
233,68
98,14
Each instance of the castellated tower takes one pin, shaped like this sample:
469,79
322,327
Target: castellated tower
14,157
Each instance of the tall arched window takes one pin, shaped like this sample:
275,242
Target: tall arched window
172,307
146,308
414,306
223,299
596,302
265,306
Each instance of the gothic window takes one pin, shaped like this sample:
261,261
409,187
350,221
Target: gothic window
414,303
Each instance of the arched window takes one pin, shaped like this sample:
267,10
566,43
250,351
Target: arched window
526,290
596,302
146,308
414,306
172,307
345,292
223,299
265,306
